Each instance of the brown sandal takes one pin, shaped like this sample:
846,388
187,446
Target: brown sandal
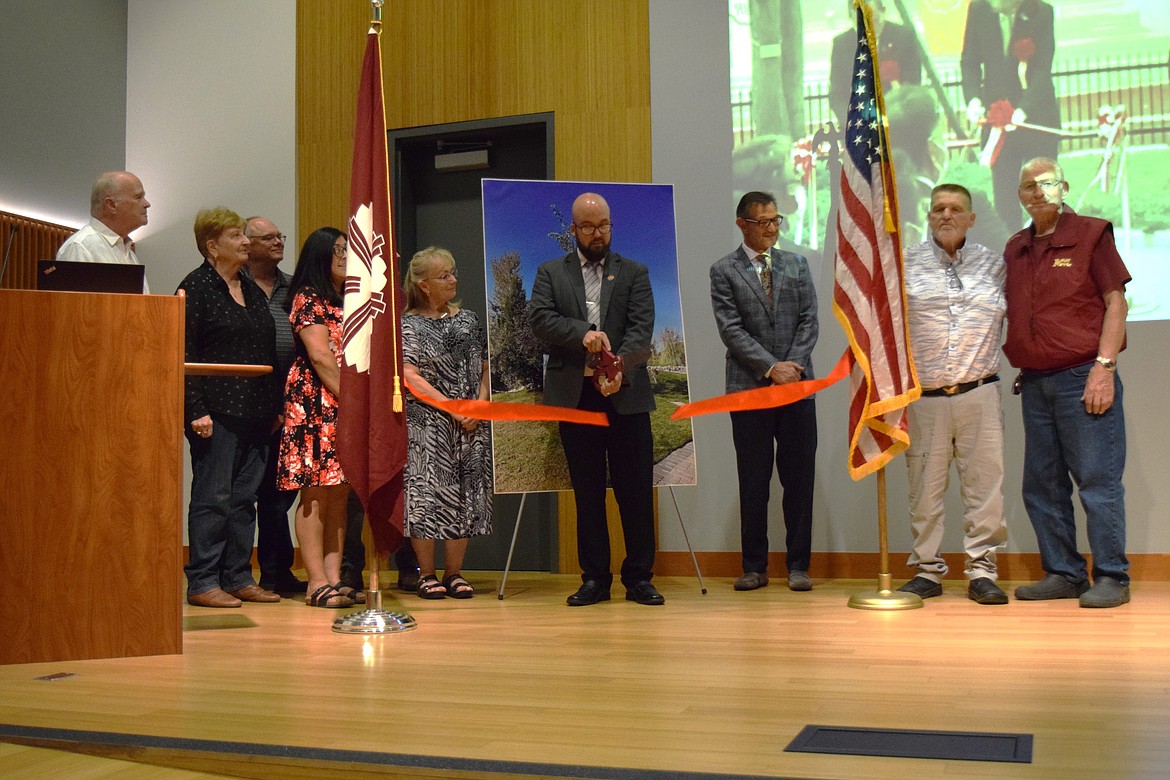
356,594
329,597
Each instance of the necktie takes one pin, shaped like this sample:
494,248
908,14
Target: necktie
592,276
765,276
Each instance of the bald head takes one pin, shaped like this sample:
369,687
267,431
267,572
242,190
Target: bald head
591,225
589,203
267,243
118,201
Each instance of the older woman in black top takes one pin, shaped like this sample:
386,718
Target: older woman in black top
228,418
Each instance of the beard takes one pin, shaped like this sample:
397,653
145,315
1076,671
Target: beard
595,250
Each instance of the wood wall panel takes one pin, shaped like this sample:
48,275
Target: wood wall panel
33,240
330,43
587,61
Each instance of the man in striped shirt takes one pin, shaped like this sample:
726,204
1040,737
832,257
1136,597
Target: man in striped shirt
955,293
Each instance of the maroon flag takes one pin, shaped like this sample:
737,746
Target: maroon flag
371,437
869,297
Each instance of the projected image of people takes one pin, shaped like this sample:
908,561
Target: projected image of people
971,90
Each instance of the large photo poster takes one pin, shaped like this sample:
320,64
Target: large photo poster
973,89
526,223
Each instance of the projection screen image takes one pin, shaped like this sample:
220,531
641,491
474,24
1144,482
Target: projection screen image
973,89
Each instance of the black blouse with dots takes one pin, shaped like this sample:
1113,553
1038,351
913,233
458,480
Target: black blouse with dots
219,330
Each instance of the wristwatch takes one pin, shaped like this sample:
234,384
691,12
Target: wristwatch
1106,363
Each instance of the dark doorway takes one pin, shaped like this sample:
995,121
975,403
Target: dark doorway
438,202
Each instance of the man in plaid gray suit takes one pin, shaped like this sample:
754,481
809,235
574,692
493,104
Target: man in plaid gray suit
766,310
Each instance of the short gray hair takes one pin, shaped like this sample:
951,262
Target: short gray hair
1046,162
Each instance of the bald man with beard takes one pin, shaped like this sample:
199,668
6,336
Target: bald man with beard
586,303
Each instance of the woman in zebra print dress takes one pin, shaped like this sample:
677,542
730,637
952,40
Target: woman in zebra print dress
448,468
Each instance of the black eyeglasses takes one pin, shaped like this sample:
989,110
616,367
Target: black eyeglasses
340,250
588,230
773,222
269,238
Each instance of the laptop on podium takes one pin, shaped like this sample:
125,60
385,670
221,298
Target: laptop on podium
66,276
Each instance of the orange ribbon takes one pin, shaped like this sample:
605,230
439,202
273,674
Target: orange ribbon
505,411
766,397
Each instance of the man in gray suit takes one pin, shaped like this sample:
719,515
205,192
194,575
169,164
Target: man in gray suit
766,310
589,302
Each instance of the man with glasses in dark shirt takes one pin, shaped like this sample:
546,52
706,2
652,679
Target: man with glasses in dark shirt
274,547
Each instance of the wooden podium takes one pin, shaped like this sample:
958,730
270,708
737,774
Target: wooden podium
91,409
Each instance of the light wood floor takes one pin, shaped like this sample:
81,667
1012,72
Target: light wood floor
707,684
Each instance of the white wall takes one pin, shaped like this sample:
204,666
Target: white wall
692,141
210,121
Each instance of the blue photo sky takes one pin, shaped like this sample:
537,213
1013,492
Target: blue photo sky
517,217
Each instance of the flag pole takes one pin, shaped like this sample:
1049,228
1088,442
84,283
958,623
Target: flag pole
375,620
884,598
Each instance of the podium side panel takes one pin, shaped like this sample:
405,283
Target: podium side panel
91,400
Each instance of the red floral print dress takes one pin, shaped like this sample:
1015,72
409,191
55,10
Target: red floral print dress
308,455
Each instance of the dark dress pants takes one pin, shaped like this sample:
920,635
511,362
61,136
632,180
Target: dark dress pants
274,547
628,447
787,436
226,469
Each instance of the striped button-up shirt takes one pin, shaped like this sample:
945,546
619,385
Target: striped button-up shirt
957,307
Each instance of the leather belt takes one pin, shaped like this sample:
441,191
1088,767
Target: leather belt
962,387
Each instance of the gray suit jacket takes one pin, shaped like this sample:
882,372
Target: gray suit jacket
758,337
558,318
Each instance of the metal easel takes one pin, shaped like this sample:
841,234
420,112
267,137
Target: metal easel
516,532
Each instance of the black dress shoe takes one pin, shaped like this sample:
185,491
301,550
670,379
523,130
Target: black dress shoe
645,593
922,587
590,592
983,590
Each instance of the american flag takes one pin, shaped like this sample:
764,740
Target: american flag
371,435
869,298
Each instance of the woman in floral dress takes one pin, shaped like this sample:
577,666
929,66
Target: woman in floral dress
448,471
308,458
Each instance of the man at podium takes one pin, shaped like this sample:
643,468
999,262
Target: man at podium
117,207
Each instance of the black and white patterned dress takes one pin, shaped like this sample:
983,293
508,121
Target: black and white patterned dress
448,469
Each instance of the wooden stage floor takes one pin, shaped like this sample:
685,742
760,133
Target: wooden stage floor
708,686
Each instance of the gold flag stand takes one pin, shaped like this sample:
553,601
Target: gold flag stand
884,598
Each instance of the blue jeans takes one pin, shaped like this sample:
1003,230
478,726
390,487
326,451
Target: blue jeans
226,470
1062,440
